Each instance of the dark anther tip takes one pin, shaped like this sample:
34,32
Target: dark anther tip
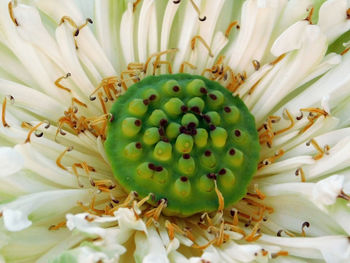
202,19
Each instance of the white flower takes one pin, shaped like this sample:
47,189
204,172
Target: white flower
64,62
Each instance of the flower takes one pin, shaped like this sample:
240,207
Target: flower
63,64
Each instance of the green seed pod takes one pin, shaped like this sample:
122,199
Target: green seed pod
219,137
131,126
138,107
158,142
133,150
201,138
162,151
186,164
151,136
184,143
172,88
173,130
156,117
231,114
173,106
182,187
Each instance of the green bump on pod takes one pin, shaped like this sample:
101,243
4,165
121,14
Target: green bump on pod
131,126
137,107
227,178
143,171
157,142
188,118
231,114
240,137
151,136
196,88
182,187
206,184
172,88
184,143
163,151
215,99
214,117
201,138
151,95
173,106
156,117
219,137
133,150
196,102
161,175
172,130
234,157
208,160
186,164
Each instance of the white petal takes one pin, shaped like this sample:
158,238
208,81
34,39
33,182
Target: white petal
11,161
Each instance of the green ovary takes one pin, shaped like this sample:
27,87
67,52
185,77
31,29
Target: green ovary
175,135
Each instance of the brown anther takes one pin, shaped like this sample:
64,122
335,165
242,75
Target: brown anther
300,172
256,64
348,13
230,26
198,11
177,2
12,16
3,112
193,43
271,160
59,158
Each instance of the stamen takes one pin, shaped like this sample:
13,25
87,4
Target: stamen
158,54
271,160
135,4
3,119
277,59
193,42
33,129
309,17
185,63
305,224
155,213
321,152
163,62
300,172
220,197
290,117
57,82
102,103
348,13
144,200
108,85
58,226
230,26
198,11
279,253
256,64
344,196
59,158
254,235
12,16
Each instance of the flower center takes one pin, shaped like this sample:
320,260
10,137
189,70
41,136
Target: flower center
184,139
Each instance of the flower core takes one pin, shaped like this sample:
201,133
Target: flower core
183,139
